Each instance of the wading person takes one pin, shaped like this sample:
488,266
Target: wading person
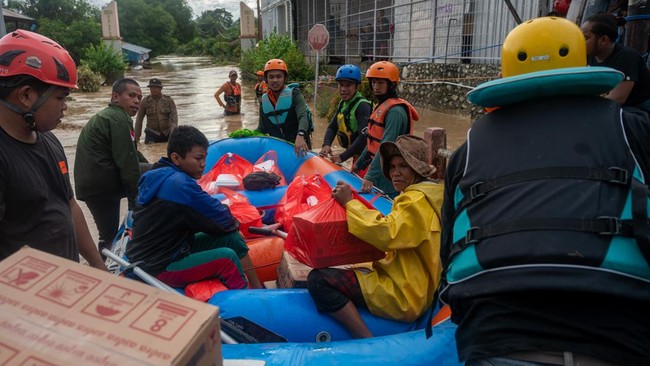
283,111
161,114
37,204
392,117
231,91
107,166
260,88
350,119
545,220
402,285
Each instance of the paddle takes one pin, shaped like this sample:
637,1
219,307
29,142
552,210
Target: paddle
268,230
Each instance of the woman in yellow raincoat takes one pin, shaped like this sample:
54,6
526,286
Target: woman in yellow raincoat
402,285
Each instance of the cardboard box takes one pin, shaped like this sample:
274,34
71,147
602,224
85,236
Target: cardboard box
57,312
293,274
270,285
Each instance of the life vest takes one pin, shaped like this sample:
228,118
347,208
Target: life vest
347,120
261,88
376,121
543,205
278,114
282,117
235,90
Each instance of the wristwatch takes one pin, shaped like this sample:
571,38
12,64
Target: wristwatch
301,133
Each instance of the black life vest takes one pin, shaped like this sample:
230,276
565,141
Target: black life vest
551,198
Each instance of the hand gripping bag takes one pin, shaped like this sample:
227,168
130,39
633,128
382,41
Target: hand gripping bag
228,172
302,193
320,238
243,211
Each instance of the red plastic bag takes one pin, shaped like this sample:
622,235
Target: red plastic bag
228,172
269,163
302,194
320,238
243,211
204,290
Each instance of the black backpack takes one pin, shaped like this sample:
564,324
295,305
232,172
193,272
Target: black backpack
257,181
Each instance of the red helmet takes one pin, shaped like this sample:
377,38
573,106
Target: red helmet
27,53
562,6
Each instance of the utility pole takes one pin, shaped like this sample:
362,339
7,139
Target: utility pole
260,36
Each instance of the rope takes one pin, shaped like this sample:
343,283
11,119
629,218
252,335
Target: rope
444,153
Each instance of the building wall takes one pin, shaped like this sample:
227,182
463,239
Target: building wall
443,87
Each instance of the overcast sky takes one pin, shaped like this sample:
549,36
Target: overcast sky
199,6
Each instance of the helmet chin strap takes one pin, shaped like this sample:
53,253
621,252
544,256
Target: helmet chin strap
28,115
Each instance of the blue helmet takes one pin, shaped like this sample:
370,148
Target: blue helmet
349,72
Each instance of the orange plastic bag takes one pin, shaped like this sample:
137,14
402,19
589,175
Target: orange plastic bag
269,163
302,194
243,211
204,290
228,172
320,238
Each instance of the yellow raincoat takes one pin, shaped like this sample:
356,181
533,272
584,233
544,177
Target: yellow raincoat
401,286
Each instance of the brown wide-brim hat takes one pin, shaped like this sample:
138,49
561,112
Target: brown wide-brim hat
414,151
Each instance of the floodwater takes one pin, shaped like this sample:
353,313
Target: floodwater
191,82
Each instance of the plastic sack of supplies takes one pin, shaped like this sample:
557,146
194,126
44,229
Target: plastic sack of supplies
228,172
319,237
302,193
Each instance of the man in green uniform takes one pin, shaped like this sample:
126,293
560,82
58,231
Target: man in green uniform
107,164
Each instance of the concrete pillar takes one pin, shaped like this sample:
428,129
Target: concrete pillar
436,137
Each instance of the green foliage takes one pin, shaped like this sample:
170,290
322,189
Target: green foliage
276,46
185,29
87,80
213,23
66,11
104,60
74,37
147,26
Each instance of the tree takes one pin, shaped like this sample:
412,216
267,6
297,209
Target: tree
215,22
185,27
147,26
74,37
276,46
66,11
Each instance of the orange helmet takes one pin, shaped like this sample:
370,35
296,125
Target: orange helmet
27,53
260,73
275,64
383,70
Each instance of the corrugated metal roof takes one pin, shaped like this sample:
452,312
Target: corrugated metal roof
13,16
134,48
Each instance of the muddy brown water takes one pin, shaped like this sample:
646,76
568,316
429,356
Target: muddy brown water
192,81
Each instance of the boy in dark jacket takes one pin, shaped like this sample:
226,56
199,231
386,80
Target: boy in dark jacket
182,234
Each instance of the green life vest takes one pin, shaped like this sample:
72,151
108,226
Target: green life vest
347,119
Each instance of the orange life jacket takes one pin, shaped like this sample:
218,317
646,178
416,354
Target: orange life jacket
235,90
376,121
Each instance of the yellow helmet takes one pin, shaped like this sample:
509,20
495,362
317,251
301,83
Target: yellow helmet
543,44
